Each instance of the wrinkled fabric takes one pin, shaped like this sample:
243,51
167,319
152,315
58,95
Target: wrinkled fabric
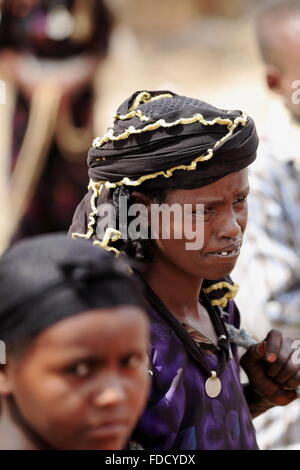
164,148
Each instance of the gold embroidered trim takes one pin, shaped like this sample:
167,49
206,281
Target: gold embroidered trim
97,188
139,113
145,97
220,285
192,166
142,97
231,125
130,115
223,301
111,234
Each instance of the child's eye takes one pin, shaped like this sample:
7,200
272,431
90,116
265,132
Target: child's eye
132,361
82,369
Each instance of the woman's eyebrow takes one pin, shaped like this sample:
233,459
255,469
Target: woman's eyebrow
220,201
244,191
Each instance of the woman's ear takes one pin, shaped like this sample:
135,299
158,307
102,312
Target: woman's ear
5,383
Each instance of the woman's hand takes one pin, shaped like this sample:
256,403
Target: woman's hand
273,369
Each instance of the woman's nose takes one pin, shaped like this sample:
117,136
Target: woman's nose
229,227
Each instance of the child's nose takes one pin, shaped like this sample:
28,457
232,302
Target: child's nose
113,392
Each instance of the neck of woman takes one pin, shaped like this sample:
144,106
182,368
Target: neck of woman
178,290
14,433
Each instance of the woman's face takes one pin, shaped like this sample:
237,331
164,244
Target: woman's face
83,382
222,223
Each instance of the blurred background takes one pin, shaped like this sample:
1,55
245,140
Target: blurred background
203,48
67,65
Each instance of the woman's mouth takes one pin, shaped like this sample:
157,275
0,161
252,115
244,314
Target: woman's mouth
226,254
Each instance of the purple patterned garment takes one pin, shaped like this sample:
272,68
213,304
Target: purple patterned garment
179,414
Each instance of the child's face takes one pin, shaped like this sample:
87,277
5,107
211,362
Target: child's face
224,222
83,382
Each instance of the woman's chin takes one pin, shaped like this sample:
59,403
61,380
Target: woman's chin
220,272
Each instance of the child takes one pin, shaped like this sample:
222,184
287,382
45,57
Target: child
165,148
77,339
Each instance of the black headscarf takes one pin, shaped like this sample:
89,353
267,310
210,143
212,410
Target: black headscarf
152,134
48,278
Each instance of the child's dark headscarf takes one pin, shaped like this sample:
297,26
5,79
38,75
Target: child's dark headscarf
48,278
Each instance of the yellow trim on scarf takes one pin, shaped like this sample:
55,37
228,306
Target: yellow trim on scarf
97,188
131,115
193,164
145,97
231,125
110,233
223,301
138,113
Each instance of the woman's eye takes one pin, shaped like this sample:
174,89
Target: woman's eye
240,199
203,212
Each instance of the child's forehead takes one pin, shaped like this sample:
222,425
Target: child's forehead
98,330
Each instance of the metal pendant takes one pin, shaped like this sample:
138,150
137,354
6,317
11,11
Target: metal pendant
213,385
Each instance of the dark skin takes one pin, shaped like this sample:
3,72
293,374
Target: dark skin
176,276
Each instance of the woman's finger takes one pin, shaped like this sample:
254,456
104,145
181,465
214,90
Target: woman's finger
273,345
282,359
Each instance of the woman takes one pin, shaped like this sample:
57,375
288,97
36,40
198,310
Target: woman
76,335
165,148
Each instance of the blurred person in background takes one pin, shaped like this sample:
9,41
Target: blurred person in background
76,333
50,53
270,261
